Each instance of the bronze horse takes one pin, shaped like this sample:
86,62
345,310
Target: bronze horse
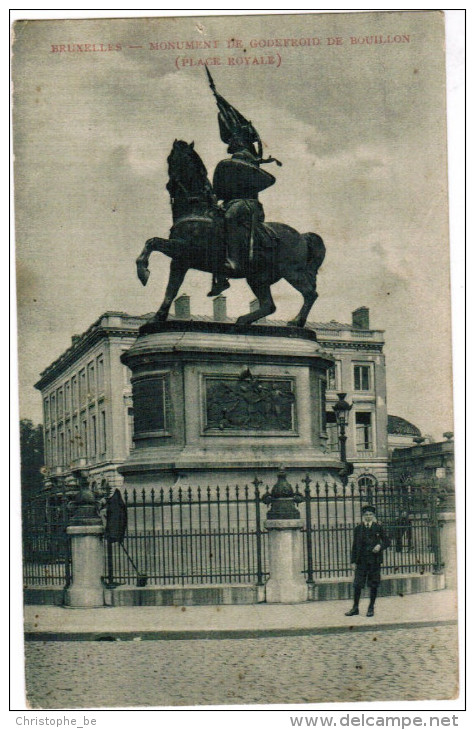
197,241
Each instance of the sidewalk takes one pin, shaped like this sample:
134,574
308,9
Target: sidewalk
53,623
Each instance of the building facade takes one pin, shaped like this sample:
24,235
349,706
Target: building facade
360,372
425,463
87,402
88,410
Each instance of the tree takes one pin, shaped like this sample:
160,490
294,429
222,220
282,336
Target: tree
31,457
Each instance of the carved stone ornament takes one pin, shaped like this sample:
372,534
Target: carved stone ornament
249,403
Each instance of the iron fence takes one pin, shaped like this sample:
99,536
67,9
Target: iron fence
46,546
216,535
185,536
408,514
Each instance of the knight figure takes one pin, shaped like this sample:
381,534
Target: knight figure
219,227
237,182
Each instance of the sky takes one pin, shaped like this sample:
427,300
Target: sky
360,130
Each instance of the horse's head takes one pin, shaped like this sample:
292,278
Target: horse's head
184,160
180,149
186,171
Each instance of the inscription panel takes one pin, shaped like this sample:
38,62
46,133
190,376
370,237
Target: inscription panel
149,405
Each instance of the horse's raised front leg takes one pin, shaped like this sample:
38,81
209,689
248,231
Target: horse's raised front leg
142,261
305,283
175,280
266,303
153,244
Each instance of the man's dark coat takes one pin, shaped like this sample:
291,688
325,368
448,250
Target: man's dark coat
365,539
116,518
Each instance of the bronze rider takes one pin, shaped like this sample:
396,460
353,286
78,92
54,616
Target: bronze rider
237,181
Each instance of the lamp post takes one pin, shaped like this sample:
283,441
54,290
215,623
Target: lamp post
342,413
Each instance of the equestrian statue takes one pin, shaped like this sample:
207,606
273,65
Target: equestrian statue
220,228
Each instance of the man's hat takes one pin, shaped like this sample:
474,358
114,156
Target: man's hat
368,508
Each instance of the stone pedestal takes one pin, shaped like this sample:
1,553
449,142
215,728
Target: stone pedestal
86,590
219,404
448,548
287,582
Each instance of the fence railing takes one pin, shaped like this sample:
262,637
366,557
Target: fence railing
185,536
408,514
46,546
216,535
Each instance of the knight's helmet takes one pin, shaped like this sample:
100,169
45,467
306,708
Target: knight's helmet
239,176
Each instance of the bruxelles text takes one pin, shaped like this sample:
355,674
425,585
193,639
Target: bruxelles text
231,43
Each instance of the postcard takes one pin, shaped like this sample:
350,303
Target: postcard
234,353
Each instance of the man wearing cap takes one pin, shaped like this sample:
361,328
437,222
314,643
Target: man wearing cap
369,543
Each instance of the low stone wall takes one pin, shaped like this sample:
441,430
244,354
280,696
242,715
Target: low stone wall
330,589
333,589
43,596
199,595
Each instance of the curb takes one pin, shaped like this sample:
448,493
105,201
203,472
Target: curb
207,634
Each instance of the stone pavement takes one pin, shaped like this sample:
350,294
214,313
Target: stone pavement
45,623
364,666
241,655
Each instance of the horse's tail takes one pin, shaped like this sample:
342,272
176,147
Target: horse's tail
315,250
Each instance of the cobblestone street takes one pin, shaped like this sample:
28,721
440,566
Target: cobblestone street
399,664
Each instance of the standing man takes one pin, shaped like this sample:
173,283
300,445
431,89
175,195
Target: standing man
369,543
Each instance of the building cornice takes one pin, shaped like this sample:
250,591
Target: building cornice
100,330
347,345
88,340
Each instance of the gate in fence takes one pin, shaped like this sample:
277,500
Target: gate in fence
46,546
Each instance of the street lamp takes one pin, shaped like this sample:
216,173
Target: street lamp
342,414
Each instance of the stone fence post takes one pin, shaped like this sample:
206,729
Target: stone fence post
448,548
287,582
86,531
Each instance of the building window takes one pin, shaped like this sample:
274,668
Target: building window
362,377
364,435
76,441
46,410
91,380
53,448
332,431
69,446
103,433
53,407
84,439
93,436
332,381
74,392
67,397
60,403
367,480
100,374
61,455
82,387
